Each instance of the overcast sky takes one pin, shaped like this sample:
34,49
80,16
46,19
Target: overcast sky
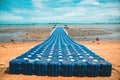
79,11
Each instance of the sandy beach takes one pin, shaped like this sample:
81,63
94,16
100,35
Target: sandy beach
110,51
40,39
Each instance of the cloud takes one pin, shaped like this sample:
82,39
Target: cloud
5,16
38,3
92,2
63,11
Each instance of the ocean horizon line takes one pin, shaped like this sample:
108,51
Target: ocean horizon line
51,23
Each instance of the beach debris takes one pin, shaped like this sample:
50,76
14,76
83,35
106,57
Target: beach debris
84,30
33,31
12,40
93,41
55,25
26,33
97,40
65,26
88,32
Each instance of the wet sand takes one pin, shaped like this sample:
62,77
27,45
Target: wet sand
82,32
38,34
110,51
24,34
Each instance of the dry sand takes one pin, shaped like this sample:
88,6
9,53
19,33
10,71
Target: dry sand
108,50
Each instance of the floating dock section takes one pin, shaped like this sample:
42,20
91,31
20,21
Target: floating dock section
60,56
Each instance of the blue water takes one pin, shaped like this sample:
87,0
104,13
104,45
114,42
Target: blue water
114,29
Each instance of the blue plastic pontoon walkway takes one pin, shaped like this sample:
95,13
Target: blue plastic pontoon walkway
60,56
